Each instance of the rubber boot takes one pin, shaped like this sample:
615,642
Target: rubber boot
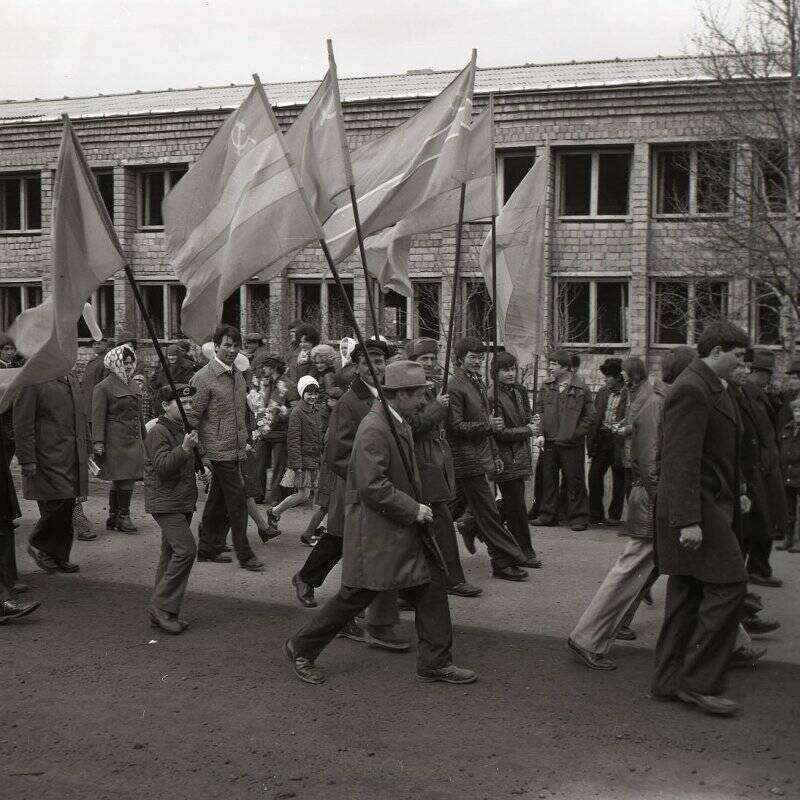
111,521
124,523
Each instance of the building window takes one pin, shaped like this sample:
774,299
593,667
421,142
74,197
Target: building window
427,309
338,323
512,167
163,303
105,185
395,316
766,315
318,303
102,301
594,184
772,160
308,302
691,181
682,308
478,311
16,298
153,187
258,305
20,203
591,312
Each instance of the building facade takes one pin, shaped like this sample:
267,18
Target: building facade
622,207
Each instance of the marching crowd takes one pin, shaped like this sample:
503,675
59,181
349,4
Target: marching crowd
704,463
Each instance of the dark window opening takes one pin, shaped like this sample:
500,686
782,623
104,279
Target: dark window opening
768,315
232,310
395,316
574,316
671,312
673,182
613,181
105,185
339,324
515,168
713,181
426,304
612,312
576,184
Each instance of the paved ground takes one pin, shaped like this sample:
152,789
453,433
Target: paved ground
96,704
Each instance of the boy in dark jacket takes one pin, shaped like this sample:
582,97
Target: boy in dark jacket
170,495
514,446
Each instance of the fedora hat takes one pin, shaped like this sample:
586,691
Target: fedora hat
763,360
404,375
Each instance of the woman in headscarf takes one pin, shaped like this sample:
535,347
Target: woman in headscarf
118,434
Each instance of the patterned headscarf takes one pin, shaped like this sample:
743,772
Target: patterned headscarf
113,361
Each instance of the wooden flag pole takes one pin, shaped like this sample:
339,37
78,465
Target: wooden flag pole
454,297
362,251
495,385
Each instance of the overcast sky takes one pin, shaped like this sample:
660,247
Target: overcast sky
52,48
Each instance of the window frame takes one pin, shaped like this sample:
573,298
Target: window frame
327,286
593,282
500,157
22,177
694,149
22,284
142,197
108,333
594,183
692,334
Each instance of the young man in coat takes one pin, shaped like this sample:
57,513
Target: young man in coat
170,495
603,447
470,428
566,413
435,463
343,424
383,548
219,412
53,444
698,544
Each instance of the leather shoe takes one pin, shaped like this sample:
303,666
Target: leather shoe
383,636
14,609
590,659
219,558
468,535
542,522
160,619
265,534
67,566
579,526
352,631
746,656
304,668
19,587
304,592
755,625
710,703
765,580
464,590
532,562
253,565
449,674
625,634
86,536
510,574
43,560
752,604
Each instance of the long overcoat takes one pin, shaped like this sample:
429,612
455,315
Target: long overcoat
117,423
700,482
51,432
382,547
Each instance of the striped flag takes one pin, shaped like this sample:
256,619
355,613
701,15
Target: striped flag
398,172
239,210
520,265
388,252
85,254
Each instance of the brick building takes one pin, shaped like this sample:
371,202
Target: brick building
616,242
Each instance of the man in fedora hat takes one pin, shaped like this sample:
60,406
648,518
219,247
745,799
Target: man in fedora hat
383,548
603,445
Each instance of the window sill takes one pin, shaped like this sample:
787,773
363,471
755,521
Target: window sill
150,229
562,218
597,346
690,217
32,232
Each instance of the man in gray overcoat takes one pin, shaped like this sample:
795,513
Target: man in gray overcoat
52,439
383,549
698,510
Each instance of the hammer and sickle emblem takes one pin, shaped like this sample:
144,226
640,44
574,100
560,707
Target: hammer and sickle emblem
239,137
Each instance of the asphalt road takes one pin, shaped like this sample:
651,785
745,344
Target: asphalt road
96,704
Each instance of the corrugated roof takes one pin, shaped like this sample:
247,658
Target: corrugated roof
415,83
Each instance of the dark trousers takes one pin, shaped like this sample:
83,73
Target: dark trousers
53,532
8,564
445,534
324,556
792,495
757,543
226,506
475,493
602,461
515,515
571,461
431,618
701,621
178,552
278,454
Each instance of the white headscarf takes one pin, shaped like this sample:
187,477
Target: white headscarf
113,361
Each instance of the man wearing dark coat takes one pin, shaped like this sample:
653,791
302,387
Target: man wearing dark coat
698,511
383,549
53,445
603,446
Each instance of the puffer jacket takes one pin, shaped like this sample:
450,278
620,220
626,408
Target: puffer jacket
469,431
304,438
169,483
219,412
513,442
645,454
